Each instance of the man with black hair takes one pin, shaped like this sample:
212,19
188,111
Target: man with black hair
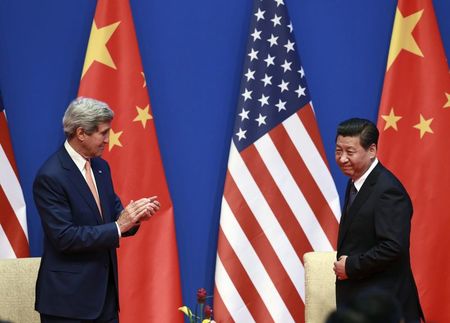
373,239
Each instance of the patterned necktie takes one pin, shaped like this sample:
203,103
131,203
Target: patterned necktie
90,182
351,197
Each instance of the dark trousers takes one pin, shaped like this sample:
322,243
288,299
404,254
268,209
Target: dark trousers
109,313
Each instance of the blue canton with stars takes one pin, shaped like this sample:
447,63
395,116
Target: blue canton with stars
273,86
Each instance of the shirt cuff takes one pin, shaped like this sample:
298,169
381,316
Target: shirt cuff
118,229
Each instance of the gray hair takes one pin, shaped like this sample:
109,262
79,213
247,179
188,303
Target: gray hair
85,113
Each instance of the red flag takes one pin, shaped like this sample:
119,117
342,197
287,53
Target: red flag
148,262
279,200
13,220
414,120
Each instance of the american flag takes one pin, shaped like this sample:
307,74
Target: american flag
279,199
13,221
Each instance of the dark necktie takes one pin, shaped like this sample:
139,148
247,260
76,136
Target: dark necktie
351,196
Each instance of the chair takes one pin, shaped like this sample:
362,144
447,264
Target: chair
320,297
17,290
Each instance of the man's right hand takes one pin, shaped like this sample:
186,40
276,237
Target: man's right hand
339,268
133,212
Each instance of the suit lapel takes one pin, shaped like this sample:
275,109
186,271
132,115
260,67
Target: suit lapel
79,182
342,226
360,199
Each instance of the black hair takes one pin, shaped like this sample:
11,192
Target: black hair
364,129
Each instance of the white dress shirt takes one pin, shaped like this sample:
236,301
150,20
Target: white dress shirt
80,162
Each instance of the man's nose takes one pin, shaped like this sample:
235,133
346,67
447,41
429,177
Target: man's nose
343,158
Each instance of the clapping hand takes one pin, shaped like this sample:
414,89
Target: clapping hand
137,211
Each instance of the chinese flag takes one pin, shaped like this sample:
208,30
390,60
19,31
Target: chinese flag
148,262
414,120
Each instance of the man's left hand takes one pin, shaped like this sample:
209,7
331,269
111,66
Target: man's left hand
154,207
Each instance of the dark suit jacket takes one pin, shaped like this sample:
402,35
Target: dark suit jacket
79,246
375,237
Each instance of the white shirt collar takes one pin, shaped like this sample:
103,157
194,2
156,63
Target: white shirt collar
360,181
79,160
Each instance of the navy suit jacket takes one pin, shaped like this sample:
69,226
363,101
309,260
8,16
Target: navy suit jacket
79,246
374,234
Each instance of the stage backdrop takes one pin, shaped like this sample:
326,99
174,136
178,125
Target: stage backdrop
192,52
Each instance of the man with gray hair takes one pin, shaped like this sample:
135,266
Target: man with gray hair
83,221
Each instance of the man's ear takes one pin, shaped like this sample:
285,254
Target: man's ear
80,134
373,151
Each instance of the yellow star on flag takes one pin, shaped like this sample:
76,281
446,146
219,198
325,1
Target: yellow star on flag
391,120
114,139
447,104
402,37
424,126
97,50
143,115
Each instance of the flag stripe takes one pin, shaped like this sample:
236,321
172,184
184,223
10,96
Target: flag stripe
292,194
236,270
11,187
253,266
6,251
261,245
272,193
308,120
5,141
264,215
316,165
313,195
12,227
224,286
13,221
